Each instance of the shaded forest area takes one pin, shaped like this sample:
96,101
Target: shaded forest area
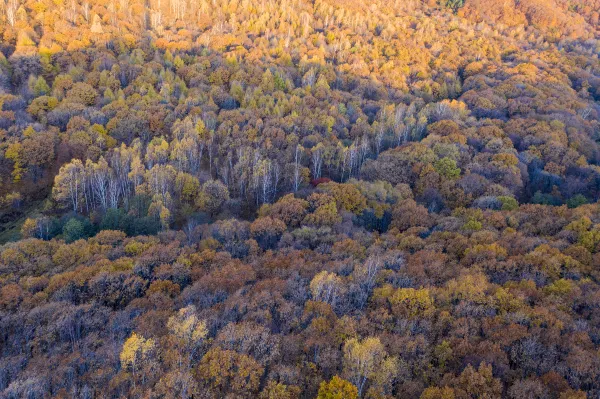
292,199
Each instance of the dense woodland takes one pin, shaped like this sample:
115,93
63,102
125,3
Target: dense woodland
287,199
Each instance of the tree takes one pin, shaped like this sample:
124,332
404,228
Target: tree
267,231
14,152
73,230
508,203
325,215
409,302
528,388
337,388
29,228
289,209
479,383
572,394
38,153
232,234
187,334
177,383
298,175
136,351
438,393
226,371
408,213
326,287
277,390
187,186
70,185
38,86
447,168
82,93
362,360
251,339
347,196
366,273
577,200
454,5
212,196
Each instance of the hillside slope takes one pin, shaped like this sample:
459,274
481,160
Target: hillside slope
295,199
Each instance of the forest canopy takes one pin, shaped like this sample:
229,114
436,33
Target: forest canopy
290,199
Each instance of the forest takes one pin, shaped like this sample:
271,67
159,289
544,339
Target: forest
294,199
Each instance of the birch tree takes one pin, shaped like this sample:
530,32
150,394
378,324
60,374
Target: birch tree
69,185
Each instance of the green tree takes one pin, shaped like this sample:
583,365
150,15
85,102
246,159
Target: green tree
447,168
508,203
40,87
577,200
73,230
